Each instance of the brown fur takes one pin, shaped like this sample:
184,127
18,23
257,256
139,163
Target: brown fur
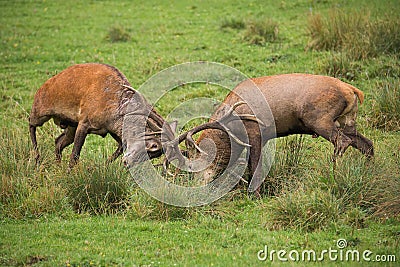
83,99
300,104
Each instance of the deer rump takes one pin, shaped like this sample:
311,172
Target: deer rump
299,104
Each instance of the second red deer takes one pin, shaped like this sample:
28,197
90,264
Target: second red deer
300,104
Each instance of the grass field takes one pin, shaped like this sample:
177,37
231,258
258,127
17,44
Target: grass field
97,216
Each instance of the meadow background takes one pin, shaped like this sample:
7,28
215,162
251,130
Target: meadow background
97,216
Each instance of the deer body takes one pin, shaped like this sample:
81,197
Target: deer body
300,104
91,99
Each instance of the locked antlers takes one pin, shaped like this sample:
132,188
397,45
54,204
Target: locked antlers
219,124
172,151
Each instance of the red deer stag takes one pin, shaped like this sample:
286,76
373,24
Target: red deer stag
299,103
98,99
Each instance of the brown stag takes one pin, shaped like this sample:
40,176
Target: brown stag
292,104
98,99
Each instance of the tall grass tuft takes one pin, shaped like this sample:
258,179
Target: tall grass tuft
26,191
283,173
353,191
385,112
117,33
386,35
233,23
304,209
332,32
365,185
354,33
255,31
353,183
97,187
261,31
340,65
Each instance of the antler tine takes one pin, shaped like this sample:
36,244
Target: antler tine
165,167
237,140
189,140
237,104
232,108
230,112
129,87
153,133
251,117
154,122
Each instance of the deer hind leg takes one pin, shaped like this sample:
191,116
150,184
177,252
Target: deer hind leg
34,122
79,140
119,149
32,131
347,123
64,140
328,129
360,142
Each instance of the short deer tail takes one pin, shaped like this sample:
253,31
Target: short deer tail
359,94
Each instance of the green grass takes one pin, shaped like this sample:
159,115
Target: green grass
115,241
96,215
261,31
355,33
386,107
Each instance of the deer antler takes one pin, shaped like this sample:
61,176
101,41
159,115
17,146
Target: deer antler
156,123
172,152
220,124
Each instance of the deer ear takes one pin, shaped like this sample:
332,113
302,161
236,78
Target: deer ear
173,126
